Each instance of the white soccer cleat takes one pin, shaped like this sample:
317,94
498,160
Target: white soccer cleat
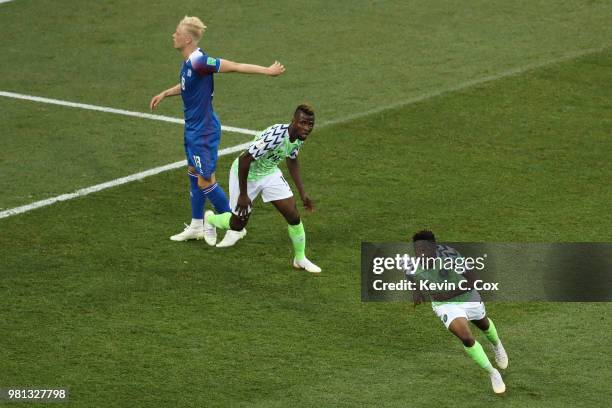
189,233
231,237
306,264
501,358
210,231
497,382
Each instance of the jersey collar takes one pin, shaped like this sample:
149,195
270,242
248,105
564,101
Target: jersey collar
193,53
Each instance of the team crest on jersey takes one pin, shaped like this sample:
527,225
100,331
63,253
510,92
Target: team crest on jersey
189,72
445,318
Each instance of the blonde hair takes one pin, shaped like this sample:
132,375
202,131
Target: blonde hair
194,26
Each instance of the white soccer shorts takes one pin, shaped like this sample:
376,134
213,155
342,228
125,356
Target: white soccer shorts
450,311
272,188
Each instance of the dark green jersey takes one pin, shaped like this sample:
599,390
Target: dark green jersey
439,278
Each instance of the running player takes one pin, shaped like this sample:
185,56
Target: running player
456,308
202,126
256,171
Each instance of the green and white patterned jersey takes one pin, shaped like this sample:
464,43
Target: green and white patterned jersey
436,275
268,149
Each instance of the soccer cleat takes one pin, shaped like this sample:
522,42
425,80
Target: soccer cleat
210,231
189,233
497,382
231,237
306,264
501,358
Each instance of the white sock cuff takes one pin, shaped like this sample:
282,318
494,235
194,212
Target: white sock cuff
197,222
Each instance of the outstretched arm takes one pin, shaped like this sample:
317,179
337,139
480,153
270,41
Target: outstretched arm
175,90
294,170
273,70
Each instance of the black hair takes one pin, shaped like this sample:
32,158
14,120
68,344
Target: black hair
424,235
304,108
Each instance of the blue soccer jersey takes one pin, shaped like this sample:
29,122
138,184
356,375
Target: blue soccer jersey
202,127
197,89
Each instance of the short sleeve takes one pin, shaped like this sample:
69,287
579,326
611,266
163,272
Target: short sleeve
409,268
445,252
204,65
294,153
270,139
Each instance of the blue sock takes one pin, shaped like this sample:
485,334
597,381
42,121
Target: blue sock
217,198
197,198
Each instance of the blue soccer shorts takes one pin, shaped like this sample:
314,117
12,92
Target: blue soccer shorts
201,153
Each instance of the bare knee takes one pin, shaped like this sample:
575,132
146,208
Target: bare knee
482,324
292,216
294,219
205,183
459,327
289,210
468,341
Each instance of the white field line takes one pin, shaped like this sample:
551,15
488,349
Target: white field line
116,111
117,182
4,1
464,85
157,170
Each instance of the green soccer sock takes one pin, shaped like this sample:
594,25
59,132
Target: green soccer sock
479,356
491,333
220,220
298,238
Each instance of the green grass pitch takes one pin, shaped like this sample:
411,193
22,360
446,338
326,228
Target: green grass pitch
94,297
